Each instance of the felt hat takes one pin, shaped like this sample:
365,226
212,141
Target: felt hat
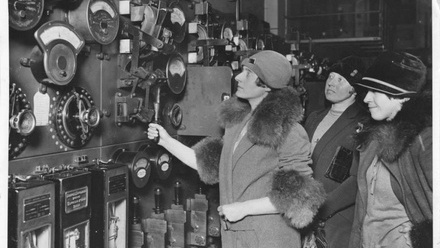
271,67
351,68
395,74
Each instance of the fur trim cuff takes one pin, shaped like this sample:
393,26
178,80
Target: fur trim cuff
297,197
208,153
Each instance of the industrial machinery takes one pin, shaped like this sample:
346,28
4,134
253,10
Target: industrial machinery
87,77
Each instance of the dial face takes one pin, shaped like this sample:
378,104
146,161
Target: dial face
25,14
176,74
22,120
50,33
228,34
140,167
60,43
103,21
164,162
177,16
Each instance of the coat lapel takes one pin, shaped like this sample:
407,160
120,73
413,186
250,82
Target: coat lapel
244,145
340,125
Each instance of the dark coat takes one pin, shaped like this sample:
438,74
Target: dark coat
404,146
338,209
275,145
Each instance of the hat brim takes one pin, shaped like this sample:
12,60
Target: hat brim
384,87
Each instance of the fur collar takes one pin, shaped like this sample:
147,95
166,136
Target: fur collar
396,136
271,121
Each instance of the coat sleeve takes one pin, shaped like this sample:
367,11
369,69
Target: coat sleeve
295,194
208,152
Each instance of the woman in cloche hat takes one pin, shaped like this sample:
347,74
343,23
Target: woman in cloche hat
394,199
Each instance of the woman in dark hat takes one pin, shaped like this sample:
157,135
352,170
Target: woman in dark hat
394,200
262,161
331,133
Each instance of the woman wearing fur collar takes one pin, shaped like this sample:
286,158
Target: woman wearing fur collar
262,161
394,200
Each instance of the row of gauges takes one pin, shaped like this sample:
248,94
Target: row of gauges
95,20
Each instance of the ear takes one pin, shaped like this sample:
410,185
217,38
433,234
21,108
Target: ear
267,89
402,100
352,91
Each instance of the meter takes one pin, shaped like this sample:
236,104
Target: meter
176,73
227,33
55,62
160,160
25,14
138,164
22,121
96,21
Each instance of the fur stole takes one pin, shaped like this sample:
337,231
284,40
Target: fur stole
271,121
394,137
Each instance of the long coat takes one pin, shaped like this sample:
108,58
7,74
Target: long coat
404,147
338,209
275,145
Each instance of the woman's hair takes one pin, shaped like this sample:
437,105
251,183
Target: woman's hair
261,83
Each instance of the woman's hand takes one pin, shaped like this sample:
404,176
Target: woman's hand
233,212
156,130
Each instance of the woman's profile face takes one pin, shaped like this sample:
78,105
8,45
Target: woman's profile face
381,106
247,87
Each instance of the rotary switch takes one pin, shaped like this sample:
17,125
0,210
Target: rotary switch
73,118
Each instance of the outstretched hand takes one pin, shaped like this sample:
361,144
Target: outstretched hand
156,130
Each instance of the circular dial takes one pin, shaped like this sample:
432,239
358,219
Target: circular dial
175,115
104,21
177,23
96,20
202,34
228,33
25,14
21,120
159,159
73,118
138,164
56,61
162,163
176,73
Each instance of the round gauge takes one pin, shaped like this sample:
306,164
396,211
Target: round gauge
177,24
175,115
176,73
227,33
164,162
140,167
242,45
24,122
160,160
96,20
138,164
21,120
56,61
25,14
74,118
260,44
